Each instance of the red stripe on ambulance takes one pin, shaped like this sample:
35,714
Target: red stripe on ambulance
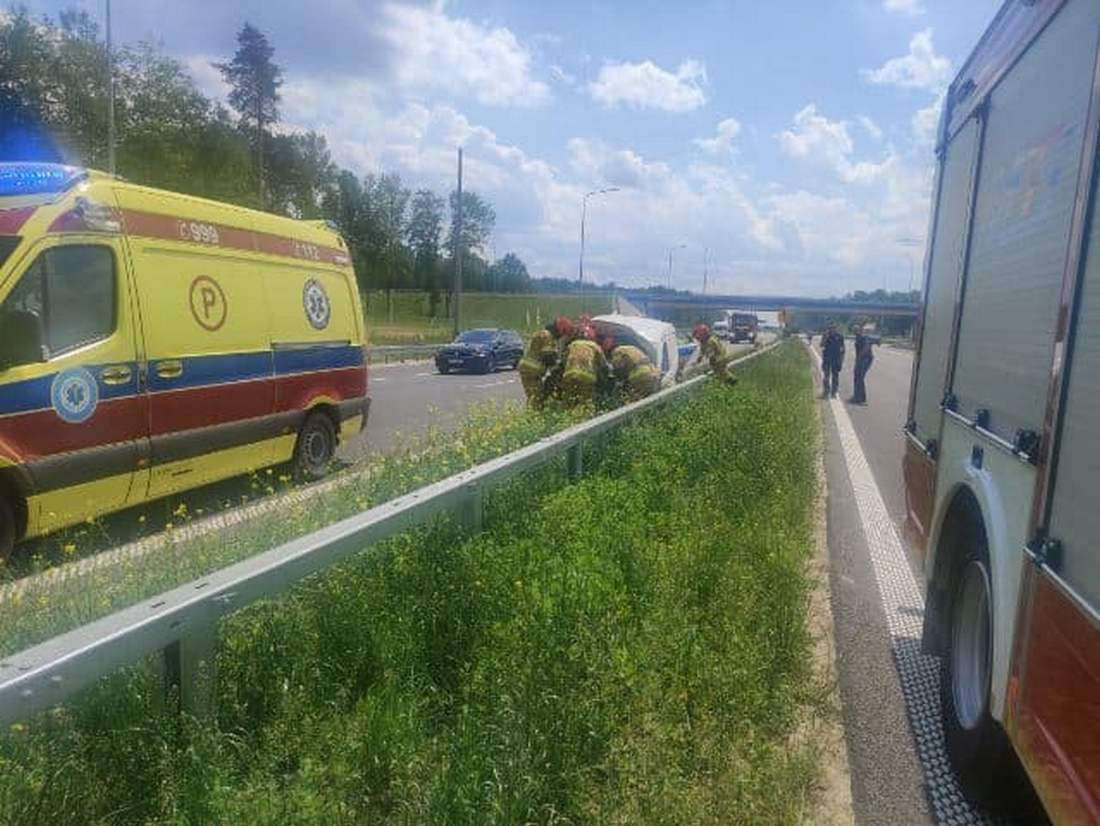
204,233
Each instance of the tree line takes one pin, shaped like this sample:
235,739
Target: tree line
54,81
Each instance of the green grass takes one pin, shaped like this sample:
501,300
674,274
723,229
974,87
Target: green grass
404,317
628,648
65,602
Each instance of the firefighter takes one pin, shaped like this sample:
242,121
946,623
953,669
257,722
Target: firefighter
711,349
634,372
543,354
585,367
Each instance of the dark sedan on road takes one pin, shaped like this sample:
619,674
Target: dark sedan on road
482,350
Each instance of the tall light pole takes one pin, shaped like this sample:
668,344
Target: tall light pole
910,243
110,97
458,251
584,212
706,254
670,251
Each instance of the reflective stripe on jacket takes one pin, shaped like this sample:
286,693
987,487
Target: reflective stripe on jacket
626,358
542,352
583,361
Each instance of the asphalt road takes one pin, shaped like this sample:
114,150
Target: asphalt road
888,688
887,779
406,399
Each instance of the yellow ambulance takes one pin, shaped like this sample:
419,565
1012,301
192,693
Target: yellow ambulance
151,342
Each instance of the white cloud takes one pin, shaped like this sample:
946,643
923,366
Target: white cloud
870,127
761,239
562,76
646,85
722,142
207,77
913,8
828,229
925,122
434,51
815,136
921,68
597,162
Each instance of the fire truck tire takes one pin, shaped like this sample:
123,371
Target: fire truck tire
981,755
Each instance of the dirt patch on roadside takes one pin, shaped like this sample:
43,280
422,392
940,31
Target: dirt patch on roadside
825,730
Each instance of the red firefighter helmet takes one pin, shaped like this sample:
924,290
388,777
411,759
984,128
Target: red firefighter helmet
563,327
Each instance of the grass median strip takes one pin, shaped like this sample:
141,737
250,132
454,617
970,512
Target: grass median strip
628,648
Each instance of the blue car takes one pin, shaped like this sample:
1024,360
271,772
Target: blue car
483,351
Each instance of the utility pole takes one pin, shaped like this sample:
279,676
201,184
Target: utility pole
458,252
110,97
670,250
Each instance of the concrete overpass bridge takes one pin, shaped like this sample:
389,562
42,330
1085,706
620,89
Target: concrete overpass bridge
652,304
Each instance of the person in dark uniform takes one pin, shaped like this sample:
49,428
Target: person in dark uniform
832,359
864,357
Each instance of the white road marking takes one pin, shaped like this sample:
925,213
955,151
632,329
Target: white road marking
903,603
426,374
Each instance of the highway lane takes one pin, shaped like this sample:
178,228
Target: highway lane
407,399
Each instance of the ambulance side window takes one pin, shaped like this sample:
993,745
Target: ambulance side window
64,300
80,296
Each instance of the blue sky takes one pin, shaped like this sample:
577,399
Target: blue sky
789,142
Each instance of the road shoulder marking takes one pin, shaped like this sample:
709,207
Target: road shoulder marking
903,605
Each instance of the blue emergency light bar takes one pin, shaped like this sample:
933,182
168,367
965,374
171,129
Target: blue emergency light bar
38,178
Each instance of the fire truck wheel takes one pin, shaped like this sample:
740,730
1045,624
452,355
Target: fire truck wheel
977,746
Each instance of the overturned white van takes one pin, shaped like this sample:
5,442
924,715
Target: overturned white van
657,339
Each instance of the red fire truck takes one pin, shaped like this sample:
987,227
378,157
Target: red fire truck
1002,466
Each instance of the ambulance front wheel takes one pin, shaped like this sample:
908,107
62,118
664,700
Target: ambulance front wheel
316,446
7,528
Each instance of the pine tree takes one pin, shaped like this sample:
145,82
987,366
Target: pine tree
254,82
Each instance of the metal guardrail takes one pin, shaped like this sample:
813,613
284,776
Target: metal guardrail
400,352
182,622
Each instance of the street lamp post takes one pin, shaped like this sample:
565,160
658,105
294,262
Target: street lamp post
910,243
584,212
110,96
670,251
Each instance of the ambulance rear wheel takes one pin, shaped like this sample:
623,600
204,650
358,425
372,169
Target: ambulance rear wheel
7,528
316,446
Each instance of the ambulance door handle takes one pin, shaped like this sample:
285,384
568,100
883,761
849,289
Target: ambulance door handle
116,374
170,369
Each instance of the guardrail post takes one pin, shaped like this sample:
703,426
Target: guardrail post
574,459
189,670
473,508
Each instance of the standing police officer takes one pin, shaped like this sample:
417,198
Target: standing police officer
832,359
